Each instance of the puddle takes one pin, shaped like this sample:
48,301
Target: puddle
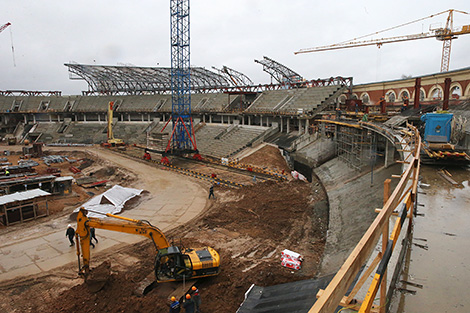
443,269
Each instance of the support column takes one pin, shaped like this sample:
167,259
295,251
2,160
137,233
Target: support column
288,125
300,126
84,117
128,117
307,124
50,118
203,118
445,105
417,92
389,153
210,118
25,119
249,120
58,118
282,126
142,117
99,117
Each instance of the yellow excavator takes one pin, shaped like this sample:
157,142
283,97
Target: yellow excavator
172,263
111,141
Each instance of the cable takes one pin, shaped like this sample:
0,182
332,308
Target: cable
398,26
12,48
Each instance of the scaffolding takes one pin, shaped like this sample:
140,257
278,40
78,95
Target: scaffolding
351,143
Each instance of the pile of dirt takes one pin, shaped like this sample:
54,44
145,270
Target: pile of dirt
268,157
249,227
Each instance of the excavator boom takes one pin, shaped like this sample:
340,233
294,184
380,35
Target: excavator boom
171,262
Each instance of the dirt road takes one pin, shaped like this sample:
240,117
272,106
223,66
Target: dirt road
33,248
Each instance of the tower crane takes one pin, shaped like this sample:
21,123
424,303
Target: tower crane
445,35
4,27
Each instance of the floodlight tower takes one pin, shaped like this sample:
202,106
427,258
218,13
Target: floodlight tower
182,139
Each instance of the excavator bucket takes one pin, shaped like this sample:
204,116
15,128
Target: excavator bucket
98,277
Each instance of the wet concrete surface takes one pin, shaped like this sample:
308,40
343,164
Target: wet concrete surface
352,197
439,258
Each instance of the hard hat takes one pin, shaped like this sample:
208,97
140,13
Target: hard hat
188,296
173,299
69,226
193,288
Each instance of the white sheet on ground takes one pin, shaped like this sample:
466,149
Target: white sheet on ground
111,201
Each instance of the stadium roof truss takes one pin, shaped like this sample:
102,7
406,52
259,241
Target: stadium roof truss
236,77
103,79
281,73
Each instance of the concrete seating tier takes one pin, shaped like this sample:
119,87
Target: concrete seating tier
45,132
131,132
220,141
146,103
85,132
269,100
309,98
290,100
34,103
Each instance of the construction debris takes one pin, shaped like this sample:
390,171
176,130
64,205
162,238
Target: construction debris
111,201
291,259
444,174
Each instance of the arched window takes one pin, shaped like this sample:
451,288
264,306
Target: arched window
365,98
342,99
422,95
436,94
404,95
391,96
455,92
354,96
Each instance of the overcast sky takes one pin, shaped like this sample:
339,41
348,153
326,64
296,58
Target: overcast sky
49,33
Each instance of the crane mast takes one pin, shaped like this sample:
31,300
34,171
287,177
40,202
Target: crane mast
182,139
446,35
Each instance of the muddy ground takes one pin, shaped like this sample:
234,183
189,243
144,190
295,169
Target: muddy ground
249,227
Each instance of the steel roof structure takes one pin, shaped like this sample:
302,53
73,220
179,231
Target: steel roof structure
133,80
281,73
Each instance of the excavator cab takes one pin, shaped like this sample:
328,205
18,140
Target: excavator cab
171,264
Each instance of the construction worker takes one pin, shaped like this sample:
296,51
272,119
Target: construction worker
196,297
7,173
175,305
406,101
211,192
188,304
70,233
338,113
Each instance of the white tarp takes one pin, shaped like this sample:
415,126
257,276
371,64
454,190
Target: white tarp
297,175
111,201
23,196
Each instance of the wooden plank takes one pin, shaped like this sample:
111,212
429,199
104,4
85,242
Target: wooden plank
450,180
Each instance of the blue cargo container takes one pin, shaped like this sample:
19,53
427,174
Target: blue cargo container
438,127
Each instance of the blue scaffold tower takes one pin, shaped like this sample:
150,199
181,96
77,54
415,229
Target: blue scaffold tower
182,139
